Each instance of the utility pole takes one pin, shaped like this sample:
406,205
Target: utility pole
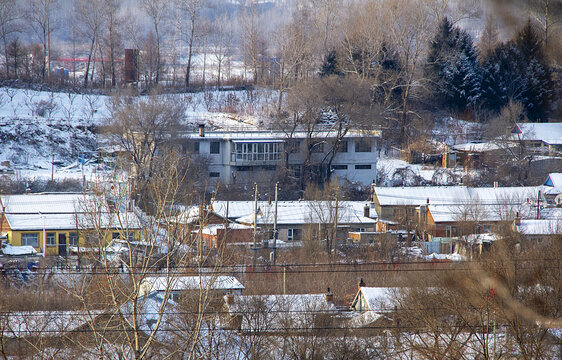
335,236
538,204
255,249
275,231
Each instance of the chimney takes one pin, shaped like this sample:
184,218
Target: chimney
361,283
366,211
427,201
27,191
229,298
202,130
329,296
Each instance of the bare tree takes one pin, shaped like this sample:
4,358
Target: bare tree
220,41
142,126
9,24
252,37
40,15
192,9
156,10
91,15
113,35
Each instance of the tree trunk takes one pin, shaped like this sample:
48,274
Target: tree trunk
157,53
190,49
88,64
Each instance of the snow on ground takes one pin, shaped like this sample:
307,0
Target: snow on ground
44,133
397,172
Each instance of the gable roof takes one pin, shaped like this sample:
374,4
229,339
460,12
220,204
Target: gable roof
296,212
454,195
547,132
540,227
554,180
183,283
62,211
273,313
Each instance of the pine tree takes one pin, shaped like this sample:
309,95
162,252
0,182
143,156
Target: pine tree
517,70
330,65
452,68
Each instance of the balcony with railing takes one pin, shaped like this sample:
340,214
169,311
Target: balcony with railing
253,153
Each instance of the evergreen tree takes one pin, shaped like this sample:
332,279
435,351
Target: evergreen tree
452,68
330,65
517,70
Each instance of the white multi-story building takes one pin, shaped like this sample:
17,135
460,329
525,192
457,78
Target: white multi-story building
235,157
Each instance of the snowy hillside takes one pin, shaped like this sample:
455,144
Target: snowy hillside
41,128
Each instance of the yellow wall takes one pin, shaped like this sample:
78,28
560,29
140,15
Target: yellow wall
15,238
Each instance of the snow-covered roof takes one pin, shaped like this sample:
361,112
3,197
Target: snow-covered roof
183,283
551,213
378,298
46,203
454,195
279,135
276,312
554,180
477,147
63,211
480,238
212,229
418,195
296,212
45,323
547,132
540,227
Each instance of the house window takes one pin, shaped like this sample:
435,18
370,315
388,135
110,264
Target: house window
339,167
362,146
257,151
30,239
115,236
290,234
51,239
196,147
73,239
362,167
215,147
214,174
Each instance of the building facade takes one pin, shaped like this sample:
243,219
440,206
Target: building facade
251,156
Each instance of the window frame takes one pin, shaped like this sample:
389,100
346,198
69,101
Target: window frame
290,234
361,146
51,236
212,149
73,239
339,167
25,240
363,167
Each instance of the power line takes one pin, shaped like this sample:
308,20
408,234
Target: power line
291,272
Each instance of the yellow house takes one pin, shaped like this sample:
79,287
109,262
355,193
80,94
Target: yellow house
56,223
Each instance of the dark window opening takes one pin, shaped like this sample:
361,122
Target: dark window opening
362,146
215,147
362,167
